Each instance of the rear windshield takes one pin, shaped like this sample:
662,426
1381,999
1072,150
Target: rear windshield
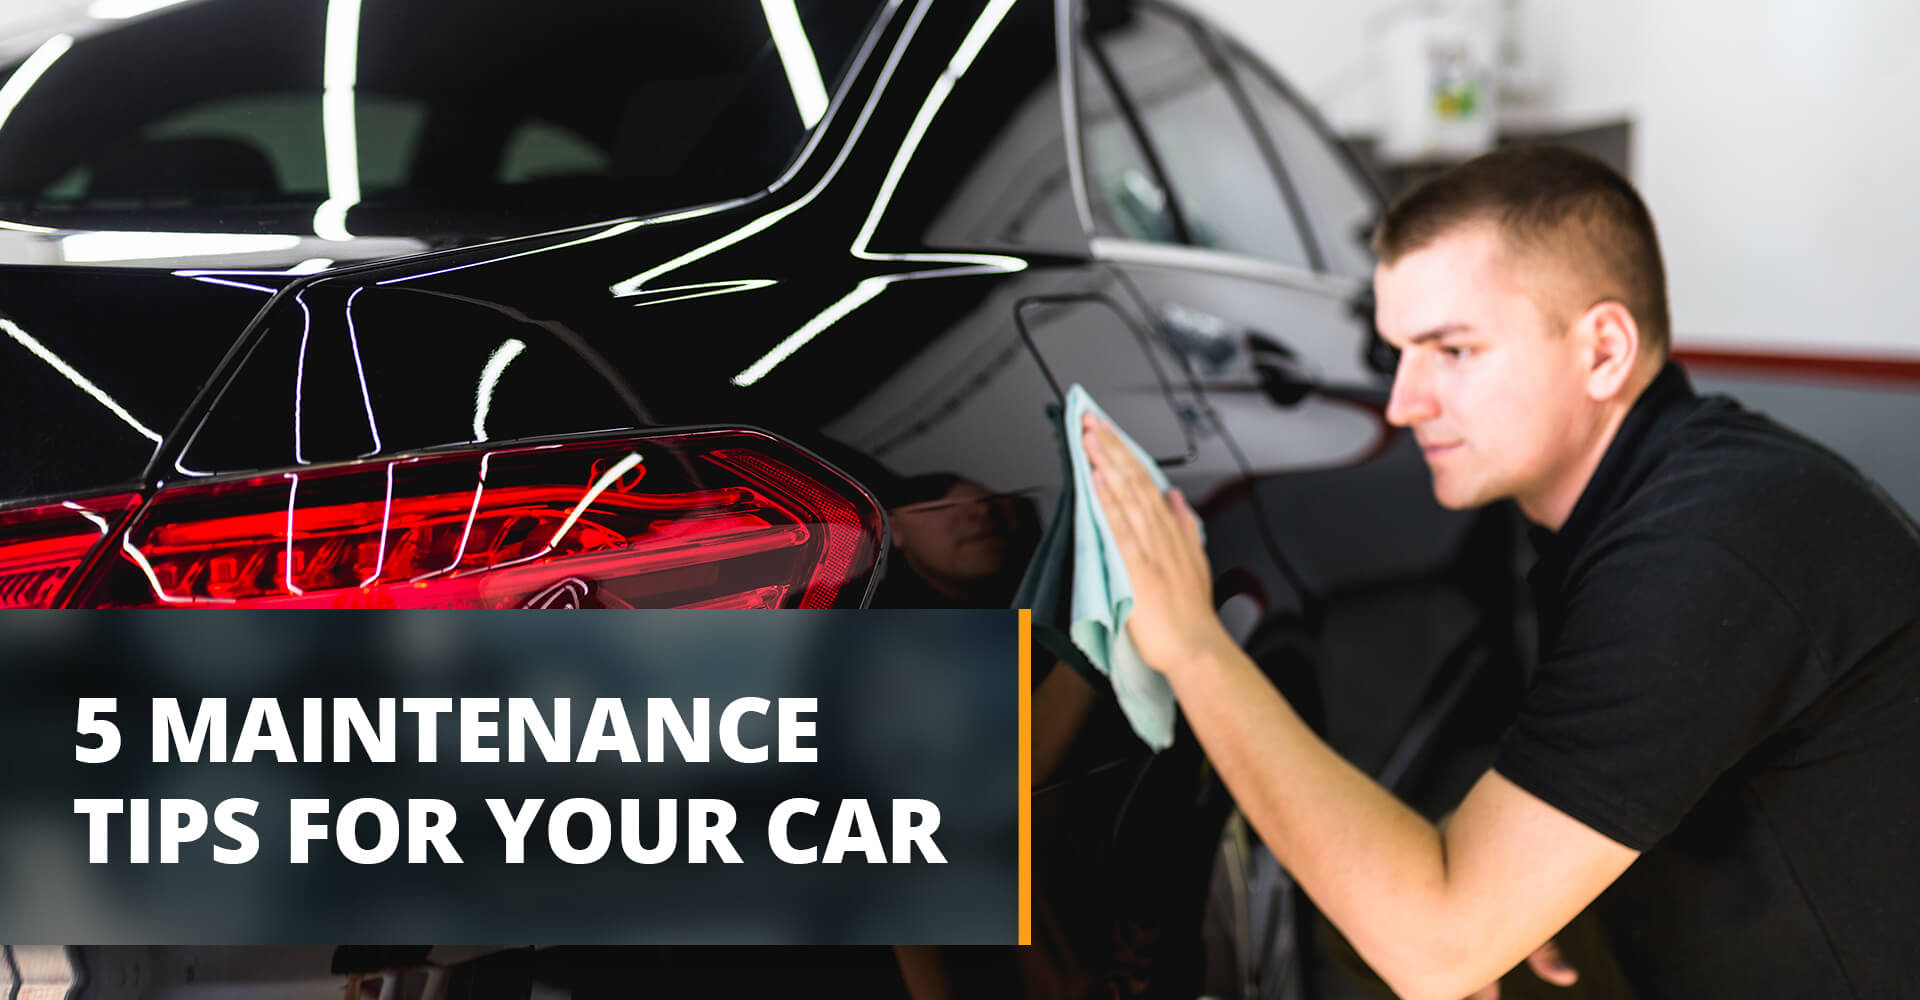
415,117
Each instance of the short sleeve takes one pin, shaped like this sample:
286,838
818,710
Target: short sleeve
1673,660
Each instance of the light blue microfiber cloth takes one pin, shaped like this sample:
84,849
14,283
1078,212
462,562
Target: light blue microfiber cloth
1102,594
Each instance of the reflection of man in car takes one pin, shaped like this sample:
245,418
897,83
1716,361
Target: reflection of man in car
958,545
1719,741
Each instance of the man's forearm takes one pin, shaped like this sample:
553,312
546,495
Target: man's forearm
1436,915
1376,868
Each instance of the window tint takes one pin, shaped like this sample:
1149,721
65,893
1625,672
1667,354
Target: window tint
1221,180
542,149
1340,206
286,129
225,115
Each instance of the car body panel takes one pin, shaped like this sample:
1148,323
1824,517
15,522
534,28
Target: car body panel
904,296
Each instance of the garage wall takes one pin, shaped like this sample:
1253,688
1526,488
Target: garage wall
1775,140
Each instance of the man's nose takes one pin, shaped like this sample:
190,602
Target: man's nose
1412,402
974,512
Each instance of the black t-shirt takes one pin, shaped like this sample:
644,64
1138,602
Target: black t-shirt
1730,683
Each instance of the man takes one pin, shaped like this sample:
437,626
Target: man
1721,741
959,545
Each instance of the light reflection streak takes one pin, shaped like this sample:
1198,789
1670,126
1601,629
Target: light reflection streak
386,521
612,231
293,490
637,284
79,381
98,521
497,363
337,120
962,60
870,288
1064,21
153,580
102,247
236,284
466,532
859,62
796,55
633,285
862,293
300,380
600,485
29,73
330,219
699,290
977,37
312,265
353,340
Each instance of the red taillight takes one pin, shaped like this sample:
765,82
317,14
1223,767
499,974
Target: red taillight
42,547
845,540
706,519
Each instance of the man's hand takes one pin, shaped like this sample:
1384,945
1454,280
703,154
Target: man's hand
1159,540
1546,962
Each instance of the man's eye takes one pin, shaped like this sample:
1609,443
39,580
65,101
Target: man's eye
1457,353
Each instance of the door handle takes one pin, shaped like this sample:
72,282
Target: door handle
1204,341
1212,346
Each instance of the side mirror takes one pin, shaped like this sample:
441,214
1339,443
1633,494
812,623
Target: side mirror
1380,357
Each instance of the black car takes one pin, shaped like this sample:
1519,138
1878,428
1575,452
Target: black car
601,305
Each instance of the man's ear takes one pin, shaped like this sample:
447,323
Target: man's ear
1615,348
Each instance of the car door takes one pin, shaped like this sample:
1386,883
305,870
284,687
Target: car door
1239,230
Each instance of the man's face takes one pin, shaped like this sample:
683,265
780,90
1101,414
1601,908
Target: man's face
959,539
1496,399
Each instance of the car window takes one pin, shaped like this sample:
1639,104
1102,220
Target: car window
1127,195
236,115
1221,181
1341,207
281,133
540,149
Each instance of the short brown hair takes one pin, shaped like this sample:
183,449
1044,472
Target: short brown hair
1546,201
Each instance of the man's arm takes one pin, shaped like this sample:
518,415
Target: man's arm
1436,915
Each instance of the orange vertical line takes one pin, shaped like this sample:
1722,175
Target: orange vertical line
1026,778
